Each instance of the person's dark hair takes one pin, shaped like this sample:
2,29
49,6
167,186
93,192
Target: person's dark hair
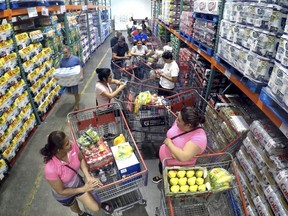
103,73
167,55
121,39
55,142
118,34
134,22
193,116
132,18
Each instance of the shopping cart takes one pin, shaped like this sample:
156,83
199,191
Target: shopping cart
210,203
150,122
109,119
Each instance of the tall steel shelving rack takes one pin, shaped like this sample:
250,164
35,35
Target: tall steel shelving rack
17,138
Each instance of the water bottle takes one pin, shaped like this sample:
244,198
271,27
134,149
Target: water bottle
102,176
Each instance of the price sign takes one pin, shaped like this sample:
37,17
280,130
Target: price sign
44,11
227,74
84,7
62,9
284,129
32,12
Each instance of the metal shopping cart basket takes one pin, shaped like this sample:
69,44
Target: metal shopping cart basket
209,202
109,119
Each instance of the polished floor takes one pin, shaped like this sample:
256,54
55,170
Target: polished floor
26,193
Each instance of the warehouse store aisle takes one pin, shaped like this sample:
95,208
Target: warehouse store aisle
25,193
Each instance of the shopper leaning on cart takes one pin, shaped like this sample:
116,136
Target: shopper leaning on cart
120,53
168,75
69,60
63,159
184,140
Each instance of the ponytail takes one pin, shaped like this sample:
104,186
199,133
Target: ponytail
55,142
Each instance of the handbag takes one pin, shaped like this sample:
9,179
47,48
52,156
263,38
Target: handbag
94,192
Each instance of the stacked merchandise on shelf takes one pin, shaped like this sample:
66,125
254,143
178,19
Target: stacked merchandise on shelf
249,36
73,36
55,2
171,11
93,32
175,44
205,24
53,38
38,68
186,24
105,25
163,34
83,30
201,73
96,28
3,4
237,113
3,168
263,171
277,89
185,72
16,113
14,4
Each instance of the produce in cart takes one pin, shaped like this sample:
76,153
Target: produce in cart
96,151
220,179
186,180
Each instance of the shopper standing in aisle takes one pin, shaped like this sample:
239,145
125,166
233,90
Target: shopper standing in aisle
63,160
184,140
104,93
120,53
139,51
115,39
69,60
129,25
168,75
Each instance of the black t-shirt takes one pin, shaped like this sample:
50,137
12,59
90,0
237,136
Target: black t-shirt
120,51
113,42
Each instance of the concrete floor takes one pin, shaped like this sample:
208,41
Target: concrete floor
25,193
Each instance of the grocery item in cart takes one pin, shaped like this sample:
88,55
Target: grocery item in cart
126,160
186,180
220,179
119,139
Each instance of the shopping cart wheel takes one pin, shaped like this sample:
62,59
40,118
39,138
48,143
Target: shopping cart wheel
143,202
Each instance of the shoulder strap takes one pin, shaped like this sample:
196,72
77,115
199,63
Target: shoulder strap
81,177
174,137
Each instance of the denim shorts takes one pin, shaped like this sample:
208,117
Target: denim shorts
69,200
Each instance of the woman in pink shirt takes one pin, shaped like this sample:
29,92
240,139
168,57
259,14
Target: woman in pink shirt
63,160
104,93
185,139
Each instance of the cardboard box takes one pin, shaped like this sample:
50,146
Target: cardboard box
126,166
68,76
